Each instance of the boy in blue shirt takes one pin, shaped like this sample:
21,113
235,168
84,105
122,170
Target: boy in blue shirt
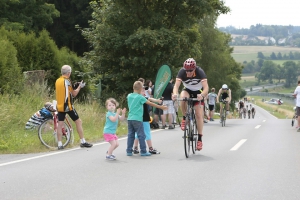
135,118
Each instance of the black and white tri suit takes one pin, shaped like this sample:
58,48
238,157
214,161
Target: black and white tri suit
193,85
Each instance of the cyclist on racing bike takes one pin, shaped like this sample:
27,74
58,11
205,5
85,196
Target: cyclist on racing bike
193,79
225,94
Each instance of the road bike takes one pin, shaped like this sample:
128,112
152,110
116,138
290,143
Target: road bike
190,132
47,132
253,112
223,113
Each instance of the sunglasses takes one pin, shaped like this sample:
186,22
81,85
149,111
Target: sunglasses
189,70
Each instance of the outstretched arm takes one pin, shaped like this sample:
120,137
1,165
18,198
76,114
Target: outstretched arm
218,95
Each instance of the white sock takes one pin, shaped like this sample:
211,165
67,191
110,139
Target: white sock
59,143
82,141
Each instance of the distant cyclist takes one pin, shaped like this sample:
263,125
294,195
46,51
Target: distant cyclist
253,112
224,94
193,79
249,111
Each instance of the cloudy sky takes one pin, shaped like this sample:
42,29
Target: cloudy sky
245,13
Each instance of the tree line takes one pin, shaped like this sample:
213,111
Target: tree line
120,40
279,56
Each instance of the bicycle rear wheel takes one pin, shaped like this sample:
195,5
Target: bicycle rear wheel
48,135
223,118
187,139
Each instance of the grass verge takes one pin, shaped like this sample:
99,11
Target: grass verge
17,109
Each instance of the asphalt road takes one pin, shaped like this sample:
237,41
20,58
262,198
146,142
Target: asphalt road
248,159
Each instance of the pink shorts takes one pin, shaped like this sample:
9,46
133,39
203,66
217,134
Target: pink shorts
109,137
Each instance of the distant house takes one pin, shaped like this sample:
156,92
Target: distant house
282,41
270,39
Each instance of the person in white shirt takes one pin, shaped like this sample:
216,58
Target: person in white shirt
212,97
297,96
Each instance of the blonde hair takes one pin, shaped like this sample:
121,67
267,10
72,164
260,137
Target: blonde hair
111,100
137,86
66,69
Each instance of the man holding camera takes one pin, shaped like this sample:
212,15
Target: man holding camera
64,98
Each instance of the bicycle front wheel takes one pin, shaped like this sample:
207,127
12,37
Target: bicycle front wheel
187,139
224,119
195,137
48,135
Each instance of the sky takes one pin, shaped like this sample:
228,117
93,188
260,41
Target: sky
245,13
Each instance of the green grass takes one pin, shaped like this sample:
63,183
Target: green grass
17,109
248,53
283,111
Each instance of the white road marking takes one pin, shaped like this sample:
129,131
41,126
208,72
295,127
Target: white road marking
257,126
51,154
58,152
237,146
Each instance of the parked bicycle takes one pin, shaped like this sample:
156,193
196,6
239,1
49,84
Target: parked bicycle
47,132
190,132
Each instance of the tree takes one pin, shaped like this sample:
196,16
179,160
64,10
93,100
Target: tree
279,56
267,71
291,73
291,56
260,55
74,13
279,73
130,36
273,56
11,77
260,63
27,15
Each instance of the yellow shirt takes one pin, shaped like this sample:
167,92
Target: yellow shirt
64,98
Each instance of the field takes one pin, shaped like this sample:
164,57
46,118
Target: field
248,53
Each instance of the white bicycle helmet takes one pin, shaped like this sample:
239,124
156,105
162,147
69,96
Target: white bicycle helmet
224,86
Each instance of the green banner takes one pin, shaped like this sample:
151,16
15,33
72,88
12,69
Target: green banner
162,79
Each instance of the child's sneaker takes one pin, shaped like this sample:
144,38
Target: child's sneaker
154,151
111,154
136,151
110,157
146,154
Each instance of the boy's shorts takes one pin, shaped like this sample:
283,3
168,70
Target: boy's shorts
109,137
147,131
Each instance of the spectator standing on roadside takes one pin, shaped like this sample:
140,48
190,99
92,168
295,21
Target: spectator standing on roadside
212,98
168,113
64,98
297,96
